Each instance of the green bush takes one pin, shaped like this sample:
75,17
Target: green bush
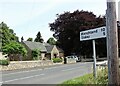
4,62
57,60
35,54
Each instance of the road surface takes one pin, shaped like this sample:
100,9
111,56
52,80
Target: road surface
49,75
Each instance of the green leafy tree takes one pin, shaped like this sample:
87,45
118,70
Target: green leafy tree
39,38
14,48
51,41
7,35
67,29
36,54
30,39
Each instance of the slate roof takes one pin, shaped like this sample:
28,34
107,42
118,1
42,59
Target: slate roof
49,48
46,44
35,45
44,47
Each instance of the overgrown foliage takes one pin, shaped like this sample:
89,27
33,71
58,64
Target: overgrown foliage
30,39
67,29
57,60
51,41
14,48
102,79
4,62
8,35
36,54
10,43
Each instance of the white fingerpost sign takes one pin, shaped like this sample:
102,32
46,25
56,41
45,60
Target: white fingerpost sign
92,35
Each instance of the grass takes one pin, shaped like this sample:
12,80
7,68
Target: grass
102,78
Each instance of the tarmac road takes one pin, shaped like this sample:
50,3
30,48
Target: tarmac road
48,75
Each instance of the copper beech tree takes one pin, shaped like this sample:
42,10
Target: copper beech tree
67,29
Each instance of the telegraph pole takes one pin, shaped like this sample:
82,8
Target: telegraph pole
112,43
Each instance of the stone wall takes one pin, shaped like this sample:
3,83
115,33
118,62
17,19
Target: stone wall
71,61
26,64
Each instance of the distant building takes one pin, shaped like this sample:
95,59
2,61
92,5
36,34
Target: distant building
47,51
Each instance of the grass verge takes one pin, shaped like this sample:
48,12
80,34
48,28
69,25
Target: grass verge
102,79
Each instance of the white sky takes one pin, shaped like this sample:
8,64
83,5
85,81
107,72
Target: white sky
119,11
27,17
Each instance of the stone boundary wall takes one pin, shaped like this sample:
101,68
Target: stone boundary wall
31,64
69,61
26,64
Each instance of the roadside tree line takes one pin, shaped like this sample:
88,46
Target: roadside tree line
9,43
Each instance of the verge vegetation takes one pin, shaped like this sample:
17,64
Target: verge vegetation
4,62
102,79
57,60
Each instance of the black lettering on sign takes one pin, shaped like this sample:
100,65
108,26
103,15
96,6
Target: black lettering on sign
82,33
84,37
102,29
104,33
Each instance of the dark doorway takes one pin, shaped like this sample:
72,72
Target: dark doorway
55,55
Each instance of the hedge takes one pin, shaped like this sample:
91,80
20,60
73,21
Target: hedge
57,60
4,62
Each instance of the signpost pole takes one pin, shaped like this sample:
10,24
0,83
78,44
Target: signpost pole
92,35
94,57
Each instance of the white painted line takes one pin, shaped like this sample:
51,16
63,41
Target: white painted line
31,70
71,69
22,78
60,66
52,68
20,72
35,70
1,82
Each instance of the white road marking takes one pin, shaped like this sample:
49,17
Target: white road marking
32,70
1,82
71,69
52,68
22,78
20,72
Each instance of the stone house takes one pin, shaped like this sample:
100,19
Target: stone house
53,51
47,51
